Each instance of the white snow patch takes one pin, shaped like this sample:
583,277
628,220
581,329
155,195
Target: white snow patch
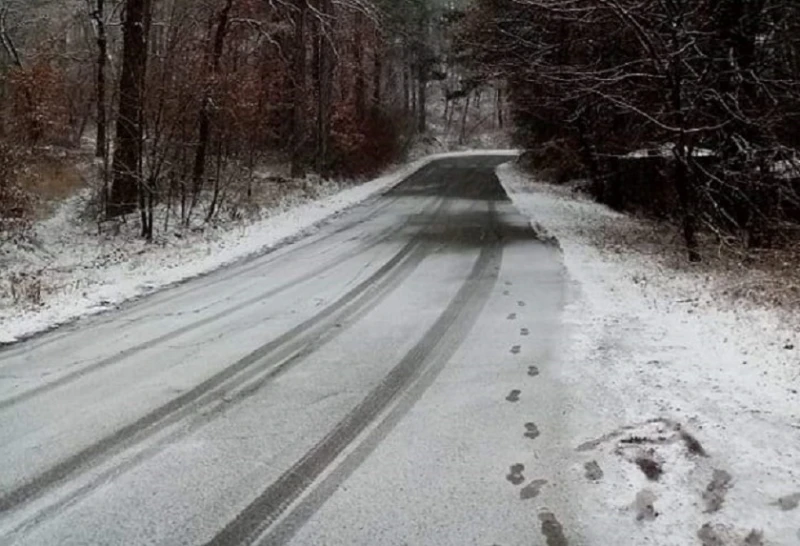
667,150
650,355
787,168
69,271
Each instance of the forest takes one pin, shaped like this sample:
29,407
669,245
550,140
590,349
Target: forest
684,110
181,102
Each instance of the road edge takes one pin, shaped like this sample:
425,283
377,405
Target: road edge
383,184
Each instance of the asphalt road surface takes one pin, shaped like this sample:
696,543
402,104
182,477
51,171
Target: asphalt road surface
383,381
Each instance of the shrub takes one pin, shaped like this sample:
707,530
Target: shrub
39,112
555,161
16,205
366,147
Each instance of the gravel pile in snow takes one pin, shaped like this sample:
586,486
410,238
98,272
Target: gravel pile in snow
686,409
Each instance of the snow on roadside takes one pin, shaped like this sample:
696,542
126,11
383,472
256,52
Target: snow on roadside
68,271
657,376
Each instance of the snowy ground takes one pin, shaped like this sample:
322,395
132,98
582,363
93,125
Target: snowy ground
366,385
66,270
659,378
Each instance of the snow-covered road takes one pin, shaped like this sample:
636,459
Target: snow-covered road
384,381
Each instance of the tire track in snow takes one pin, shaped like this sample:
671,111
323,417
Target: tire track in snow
283,352
211,389
371,242
247,385
240,267
136,349
397,393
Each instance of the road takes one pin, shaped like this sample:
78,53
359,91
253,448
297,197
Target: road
383,381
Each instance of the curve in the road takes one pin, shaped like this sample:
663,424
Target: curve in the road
245,266
259,515
239,306
204,392
283,351
369,243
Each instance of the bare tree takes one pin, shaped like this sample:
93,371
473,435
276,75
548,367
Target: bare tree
127,164
219,27
608,77
97,14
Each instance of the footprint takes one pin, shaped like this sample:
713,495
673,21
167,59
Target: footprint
720,535
512,316
521,303
651,468
531,431
694,446
716,490
516,349
506,293
532,490
515,474
754,538
645,505
593,471
509,283
789,502
513,396
533,371
552,530
524,332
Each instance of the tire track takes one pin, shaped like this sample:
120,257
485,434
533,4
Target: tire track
425,359
190,401
283,351
376,211
136,349
244,266
229,395
372,242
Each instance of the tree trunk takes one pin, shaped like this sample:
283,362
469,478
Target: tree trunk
126,170
360,82
462,137
325,68
413,90
450,114
422,118
5,39
589,154
147,184
423,68
684,186
100,83
499,105
204,125
685,190
406,86
377,74
298,86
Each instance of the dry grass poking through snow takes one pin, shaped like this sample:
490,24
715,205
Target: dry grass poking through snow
732,273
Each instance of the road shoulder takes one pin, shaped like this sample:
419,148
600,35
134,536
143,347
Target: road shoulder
684,410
